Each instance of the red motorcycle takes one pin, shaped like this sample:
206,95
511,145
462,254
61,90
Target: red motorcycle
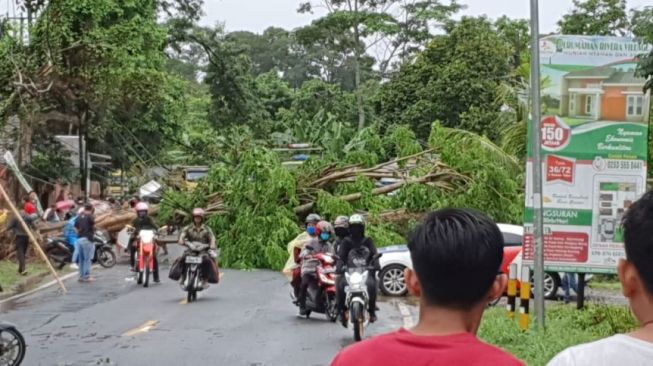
146,245
321,294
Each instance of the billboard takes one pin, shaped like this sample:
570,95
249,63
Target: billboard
594,150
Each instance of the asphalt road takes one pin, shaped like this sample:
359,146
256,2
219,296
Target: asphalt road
247,319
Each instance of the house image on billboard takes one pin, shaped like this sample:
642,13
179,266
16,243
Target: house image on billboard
605,93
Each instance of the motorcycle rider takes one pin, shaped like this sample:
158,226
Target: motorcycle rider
309,264
341,227
294,249
200,232
356,243
142,222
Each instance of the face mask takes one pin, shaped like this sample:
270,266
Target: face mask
310,230
357,231
142,214
341,232
325,236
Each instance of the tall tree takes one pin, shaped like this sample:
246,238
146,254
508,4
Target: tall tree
596,17
93,69
417,20
346,27
515,32
641,23
455,80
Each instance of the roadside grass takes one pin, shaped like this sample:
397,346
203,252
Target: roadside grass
606,282
9,272
565,327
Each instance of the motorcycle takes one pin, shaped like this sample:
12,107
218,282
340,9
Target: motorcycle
321,294
12,345
356,295
146,247
60,252
193,279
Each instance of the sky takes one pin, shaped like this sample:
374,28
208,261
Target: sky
257,15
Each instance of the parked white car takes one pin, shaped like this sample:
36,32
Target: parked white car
396,259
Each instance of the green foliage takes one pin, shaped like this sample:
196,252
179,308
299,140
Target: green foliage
368,202
417,198
401,141
259,194
331,207
366,147
566,327
497,180
455,73
596,17
384,235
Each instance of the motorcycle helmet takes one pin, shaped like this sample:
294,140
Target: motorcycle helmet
341,222
141,206
357,227
313,218
357,220
198,212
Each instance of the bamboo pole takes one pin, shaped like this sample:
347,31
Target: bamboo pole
32,238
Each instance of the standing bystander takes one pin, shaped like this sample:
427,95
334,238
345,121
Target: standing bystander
85,226
29,215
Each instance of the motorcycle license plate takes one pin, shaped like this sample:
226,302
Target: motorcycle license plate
193,260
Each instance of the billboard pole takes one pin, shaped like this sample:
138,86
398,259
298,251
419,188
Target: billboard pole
537,164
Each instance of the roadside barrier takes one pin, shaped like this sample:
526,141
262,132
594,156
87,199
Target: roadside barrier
524,297
512,290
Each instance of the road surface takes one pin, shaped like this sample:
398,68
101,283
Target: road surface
245,320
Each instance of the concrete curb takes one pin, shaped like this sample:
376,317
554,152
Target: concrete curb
37,279
27,282
42,287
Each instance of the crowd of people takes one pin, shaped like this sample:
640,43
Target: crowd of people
456,255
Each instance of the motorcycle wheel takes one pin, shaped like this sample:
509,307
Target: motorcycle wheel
56,260
106,258
358,321
191,295
146,283
332,309
12,346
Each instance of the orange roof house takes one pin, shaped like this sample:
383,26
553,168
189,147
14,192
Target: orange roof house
605,93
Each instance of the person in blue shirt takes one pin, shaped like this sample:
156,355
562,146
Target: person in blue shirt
71,235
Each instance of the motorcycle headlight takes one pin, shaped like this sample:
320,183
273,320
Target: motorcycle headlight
355,279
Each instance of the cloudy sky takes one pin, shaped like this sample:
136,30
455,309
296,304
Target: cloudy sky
256,15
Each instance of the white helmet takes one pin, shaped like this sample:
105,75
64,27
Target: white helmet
356,219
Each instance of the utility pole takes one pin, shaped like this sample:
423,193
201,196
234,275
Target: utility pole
538,221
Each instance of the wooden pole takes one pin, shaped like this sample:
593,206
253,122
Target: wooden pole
32,238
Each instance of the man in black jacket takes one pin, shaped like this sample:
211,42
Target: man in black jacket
357,245
22,238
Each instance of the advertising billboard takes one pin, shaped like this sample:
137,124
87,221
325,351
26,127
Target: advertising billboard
594,150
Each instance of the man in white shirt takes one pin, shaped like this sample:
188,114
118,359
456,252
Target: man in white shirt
636,275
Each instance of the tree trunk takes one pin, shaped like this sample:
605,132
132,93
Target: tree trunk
359,95
357,74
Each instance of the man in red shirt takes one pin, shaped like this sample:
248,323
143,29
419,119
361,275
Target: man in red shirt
456,257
